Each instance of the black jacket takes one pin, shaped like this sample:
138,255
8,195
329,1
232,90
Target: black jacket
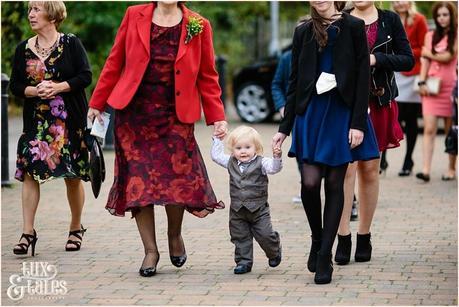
393,53
351,66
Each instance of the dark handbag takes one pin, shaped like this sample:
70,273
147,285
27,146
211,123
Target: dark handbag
96,166
451,141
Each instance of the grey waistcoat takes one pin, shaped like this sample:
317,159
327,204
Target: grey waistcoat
248,189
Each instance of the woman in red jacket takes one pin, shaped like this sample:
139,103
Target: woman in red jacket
409,101
160,70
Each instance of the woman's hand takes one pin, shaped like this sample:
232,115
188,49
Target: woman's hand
277,152
423,90
372,60
278,139
49,89
220,129
355,137
94,113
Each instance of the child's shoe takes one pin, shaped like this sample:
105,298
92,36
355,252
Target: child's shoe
273,262
242,269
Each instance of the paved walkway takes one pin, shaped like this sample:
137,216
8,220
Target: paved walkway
414,246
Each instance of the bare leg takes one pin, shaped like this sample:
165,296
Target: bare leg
349,186
75,196
174,230
430,131
368,172
30,199
145,219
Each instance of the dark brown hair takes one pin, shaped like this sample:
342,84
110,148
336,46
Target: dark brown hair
440,32
319,23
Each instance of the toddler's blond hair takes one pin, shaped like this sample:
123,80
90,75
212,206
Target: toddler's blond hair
245,133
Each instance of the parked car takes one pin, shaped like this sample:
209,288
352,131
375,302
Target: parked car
252,91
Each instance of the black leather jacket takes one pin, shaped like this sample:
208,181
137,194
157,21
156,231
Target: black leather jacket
393,53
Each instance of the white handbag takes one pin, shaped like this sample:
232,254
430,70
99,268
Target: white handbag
433,85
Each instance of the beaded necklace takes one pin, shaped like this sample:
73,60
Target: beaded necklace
45,52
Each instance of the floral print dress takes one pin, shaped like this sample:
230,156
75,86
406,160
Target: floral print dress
158,161
47,149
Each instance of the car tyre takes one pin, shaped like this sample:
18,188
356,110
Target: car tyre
253,104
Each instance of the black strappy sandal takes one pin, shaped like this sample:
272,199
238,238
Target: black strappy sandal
77,244
23,248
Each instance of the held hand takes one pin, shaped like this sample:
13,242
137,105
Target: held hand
94,113
281,112
278,139
372,60
277,152
220,129
355,137
423,90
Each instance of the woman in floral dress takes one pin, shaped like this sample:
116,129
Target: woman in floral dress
51,71
159,74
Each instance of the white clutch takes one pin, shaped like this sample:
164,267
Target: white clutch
433,85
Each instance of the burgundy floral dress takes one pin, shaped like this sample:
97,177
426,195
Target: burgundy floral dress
158,161
388,131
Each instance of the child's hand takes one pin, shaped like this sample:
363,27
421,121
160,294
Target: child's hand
277,152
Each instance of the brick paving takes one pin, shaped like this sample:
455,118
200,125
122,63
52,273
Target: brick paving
414,245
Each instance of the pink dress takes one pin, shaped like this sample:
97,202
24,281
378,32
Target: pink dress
441,104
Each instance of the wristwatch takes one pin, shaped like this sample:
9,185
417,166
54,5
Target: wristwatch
420,83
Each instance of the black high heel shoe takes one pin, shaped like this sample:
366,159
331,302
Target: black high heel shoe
75,233
179,261
383,165
312,259
406,169
423,177
324,270
363,248
149,272
343,250
23,248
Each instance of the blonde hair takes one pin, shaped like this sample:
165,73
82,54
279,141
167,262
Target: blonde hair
245,133
412,11
55,10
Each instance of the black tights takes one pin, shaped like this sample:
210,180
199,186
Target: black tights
408,117
311,179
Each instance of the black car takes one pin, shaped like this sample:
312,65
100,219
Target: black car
252,91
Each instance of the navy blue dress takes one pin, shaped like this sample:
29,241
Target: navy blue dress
320,135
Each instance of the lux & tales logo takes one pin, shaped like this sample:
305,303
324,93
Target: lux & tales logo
37,279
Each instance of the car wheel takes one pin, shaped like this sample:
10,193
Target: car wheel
252,103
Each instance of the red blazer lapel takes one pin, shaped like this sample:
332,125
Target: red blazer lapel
144,26
182,46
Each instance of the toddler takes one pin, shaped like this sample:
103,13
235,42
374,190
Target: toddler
249,215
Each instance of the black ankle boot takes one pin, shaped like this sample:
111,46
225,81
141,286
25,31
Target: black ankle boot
324,269
343,250
363,248
312,260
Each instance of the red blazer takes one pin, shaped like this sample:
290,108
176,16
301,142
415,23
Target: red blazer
196,80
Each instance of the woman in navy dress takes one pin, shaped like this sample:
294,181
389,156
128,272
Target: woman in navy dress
330,129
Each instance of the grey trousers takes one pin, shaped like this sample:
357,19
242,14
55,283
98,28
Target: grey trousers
244,226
